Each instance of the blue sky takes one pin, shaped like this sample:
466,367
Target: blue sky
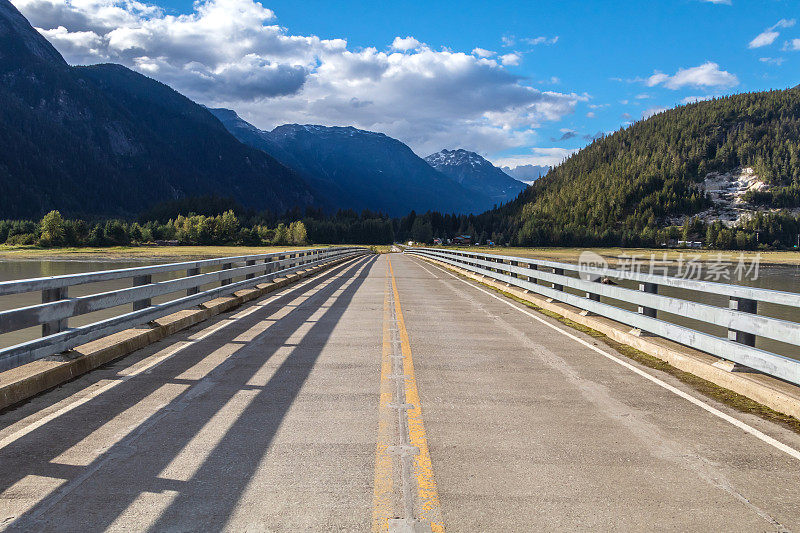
585,67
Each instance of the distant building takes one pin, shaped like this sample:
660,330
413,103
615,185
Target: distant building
463,239
437,242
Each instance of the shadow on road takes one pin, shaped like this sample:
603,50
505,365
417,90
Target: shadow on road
133,466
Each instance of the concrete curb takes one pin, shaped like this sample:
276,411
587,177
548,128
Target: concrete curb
28,380
766,390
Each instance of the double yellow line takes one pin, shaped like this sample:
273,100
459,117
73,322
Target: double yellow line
427,506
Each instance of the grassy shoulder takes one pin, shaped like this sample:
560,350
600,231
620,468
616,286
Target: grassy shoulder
147,252
614,255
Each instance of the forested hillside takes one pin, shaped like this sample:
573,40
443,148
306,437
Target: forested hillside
103,140
623,188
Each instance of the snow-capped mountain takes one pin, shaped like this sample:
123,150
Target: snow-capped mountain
526,173
476,174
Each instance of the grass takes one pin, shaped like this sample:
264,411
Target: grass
146,252
706,388
570,255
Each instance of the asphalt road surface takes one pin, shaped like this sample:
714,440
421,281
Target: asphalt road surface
388,394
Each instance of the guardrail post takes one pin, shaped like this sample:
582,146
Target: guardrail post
250,262
138,281
192,272
558,272
650,288
226,281
745,306
531,266
56,326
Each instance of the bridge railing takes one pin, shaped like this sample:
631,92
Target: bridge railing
57,307
740,317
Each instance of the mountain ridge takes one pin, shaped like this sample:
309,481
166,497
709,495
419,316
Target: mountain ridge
475,173
103,140
358,169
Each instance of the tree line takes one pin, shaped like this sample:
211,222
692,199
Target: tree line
763,230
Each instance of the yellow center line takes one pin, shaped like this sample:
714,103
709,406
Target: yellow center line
428,495
382,496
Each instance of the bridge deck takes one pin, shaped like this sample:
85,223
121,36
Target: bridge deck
299,411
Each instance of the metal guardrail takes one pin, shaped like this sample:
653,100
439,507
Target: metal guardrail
57,307
739,318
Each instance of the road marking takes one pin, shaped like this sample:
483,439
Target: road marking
384,485
427,491
402,445
156,360
696,401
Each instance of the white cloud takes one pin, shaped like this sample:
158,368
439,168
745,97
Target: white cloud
706,75
87,42
768,36
765,38
723,2
693,99
656,79
774,60
232,53
793,45
510,59
482,52
541,40
538,156
591,114
647,113
405,44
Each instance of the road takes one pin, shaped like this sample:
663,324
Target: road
388,394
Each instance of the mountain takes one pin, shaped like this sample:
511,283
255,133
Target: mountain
476,174
739,154
527,173
104,140
359,169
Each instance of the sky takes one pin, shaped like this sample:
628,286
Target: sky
525,82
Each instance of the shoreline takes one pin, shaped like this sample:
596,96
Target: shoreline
137,253
570,255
